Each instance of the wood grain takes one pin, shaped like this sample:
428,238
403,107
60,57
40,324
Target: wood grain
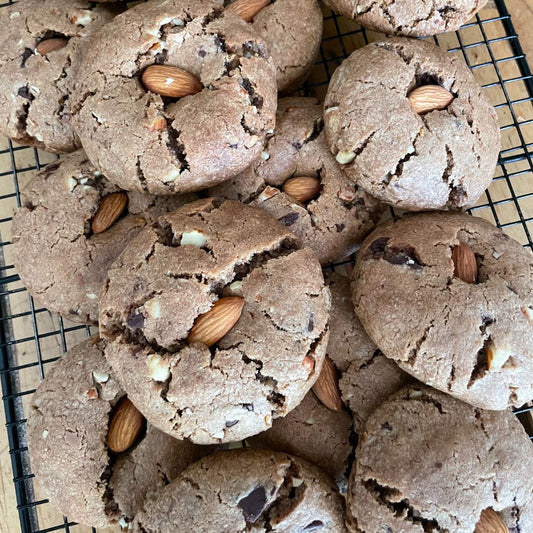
522,18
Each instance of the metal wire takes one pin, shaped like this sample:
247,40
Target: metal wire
23,354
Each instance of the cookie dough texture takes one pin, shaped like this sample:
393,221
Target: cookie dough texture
292,31
366,377
438,327
428,462
34,89
57,256
67,429
314,433
174,271
407,17
246,490
335,222
208,137
439,160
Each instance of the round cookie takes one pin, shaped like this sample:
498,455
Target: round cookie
173,272
246,490
333,223
293,32
436,160
366,377
67,430
439,328
57,255
145,142
408,17
34,87
428,462
314,433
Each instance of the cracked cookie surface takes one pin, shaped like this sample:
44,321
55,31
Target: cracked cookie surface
292,31
442,159
366,377
35,89
58,204
340,216
67,429
428,463
175,271
417,18
144,142
246,490
436,326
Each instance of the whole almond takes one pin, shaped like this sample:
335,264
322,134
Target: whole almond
326,386
50,45
108,211
170,81
465,265
125,426
302,189
247,9
210,327
490,522
429,98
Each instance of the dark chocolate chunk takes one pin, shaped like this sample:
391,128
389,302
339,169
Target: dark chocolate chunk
25,93
253,504
136,321
314,525
50,169
386,426
339,227
311,323
248,406
289,219
28,52
378,246
395,255
231,423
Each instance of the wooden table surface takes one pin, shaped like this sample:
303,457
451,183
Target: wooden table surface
522,18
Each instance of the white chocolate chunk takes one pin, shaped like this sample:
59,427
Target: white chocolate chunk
194,237
345,156
100,377
158,369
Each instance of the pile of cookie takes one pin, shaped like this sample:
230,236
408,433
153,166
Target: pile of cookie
234,386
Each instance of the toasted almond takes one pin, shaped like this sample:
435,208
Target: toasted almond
302,189
157,124
464,260
496,357
247,9
308,363
170,81
210,327
326,386
429,98
108,211
490,522
125,426
50,45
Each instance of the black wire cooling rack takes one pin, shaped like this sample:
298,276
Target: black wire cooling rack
31,338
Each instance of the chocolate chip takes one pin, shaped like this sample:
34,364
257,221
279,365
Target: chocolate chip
202,53
438,465
386,426
339,227
248,406
297,145
395,255
311,323
28,52
136,321
252,505
314,525
25,93
289,219
231,423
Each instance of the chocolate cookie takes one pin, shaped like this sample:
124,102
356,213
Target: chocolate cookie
407,17
314,433
58,255
469,336
147,142
337,216
440,156
246,490
67,430
215,262
41,46
367,377
428,462
292,31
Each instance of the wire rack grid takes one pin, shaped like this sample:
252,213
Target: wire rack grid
31,338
